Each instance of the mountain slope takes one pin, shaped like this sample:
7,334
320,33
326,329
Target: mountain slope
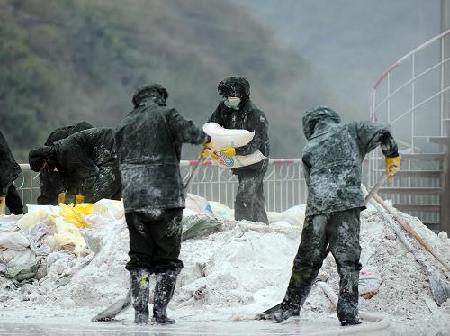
63,61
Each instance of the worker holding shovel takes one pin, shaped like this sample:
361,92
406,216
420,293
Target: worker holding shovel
332,161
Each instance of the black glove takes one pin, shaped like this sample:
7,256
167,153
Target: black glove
39,156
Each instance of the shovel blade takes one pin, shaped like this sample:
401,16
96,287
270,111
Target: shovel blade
115,309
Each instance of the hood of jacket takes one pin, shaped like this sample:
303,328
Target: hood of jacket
320,114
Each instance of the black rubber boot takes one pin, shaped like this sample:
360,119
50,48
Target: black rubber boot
279,313
347,309
287,310
350,322
291,306
139,294
268,314
164,290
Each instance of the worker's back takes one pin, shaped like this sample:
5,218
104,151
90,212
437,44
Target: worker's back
149,159
333,158
143,137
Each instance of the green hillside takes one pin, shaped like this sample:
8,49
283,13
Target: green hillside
63,61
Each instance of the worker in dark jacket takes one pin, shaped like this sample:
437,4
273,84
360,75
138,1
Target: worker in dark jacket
237,111
9,171
332,161
149,142
51,183
87,163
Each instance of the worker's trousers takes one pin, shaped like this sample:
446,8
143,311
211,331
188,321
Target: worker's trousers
337,232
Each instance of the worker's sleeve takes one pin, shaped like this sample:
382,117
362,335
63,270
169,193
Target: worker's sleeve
4,174
9,169
74,151
260,127
371,135
184,130
306,170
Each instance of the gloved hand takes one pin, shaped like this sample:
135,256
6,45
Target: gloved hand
228,151
392,165
2,205
38,157
79,199
206,150
62,198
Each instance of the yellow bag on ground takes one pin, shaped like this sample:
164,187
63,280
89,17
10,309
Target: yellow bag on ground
75,214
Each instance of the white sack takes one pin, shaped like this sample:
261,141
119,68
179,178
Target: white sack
222,137
13,241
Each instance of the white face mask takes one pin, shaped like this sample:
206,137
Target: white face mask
232,102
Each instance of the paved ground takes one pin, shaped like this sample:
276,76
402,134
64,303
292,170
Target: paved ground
219,328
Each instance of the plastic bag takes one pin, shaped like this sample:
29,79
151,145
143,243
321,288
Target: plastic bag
222,137
29,220
197,204
7,255
221,211
38,237
14,241
369,283
110,209
238,161
75,214
67,238
24,262
8,223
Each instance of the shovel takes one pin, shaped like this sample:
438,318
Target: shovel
115,309
375,188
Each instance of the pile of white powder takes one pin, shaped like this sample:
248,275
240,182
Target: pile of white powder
233,275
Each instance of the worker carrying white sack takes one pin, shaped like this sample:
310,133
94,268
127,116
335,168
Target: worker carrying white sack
247,154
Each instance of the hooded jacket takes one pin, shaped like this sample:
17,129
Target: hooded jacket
332,159
83,158
51,183
64,132
149,142
9,168
86,161
247,117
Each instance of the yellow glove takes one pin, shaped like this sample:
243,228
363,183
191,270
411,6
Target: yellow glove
62,198
228,151
79,199
214,156
2,205
207,150
392,165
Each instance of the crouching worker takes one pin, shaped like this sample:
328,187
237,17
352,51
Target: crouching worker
332,161
50,182
86,162
149,142
9,171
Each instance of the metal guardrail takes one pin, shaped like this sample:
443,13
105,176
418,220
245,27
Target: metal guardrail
284,184
413,90
413,96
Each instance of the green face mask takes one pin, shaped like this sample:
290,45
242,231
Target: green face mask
232,102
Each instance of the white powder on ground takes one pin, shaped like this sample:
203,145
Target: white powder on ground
234,274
